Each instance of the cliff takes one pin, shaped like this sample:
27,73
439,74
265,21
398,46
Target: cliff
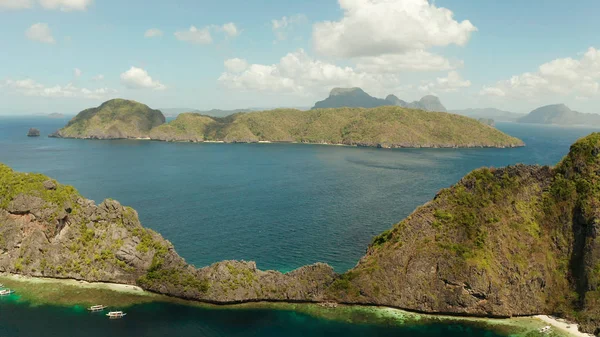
358,98
388,127
513,241
114,119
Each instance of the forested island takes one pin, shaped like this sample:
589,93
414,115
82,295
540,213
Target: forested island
385,126
512,241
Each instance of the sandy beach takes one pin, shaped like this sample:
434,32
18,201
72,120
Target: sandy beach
562,325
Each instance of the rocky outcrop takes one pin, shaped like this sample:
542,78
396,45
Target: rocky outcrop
33,132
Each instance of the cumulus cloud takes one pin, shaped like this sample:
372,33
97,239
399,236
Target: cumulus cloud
236,65
195,35
451,83
40,32
15,4
562,77
298,73
66,5
417,60
30,87
138,78
77,72
377,27
204,35
282,27
98,77
153,32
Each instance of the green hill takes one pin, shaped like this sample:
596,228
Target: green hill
380,127
114,119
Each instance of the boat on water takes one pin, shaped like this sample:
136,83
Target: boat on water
116,314
95,308
5,292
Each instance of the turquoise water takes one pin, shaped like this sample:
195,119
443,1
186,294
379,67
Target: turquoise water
282,205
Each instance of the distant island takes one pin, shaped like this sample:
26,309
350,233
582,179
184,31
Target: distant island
560,114
490,113
386,127
174,112
514,241
33,132
358,98
56,115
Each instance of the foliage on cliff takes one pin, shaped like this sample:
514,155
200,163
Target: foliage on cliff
383,126
117,118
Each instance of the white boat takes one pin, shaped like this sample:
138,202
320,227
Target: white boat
95,308
116,314
5,292
545,329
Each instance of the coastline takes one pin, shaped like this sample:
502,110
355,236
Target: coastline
37,291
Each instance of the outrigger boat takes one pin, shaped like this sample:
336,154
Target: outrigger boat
5,292
116,314
95,308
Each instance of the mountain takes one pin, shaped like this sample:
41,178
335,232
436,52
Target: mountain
386,126
114,119
514,241
492,113
560,114
350,97
356,97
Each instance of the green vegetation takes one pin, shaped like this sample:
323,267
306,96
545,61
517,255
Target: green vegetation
383,126
117,118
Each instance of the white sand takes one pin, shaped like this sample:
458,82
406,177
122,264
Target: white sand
562,325
123,288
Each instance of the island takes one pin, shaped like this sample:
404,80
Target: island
560,114
490,113
56,115
383,127
504,242
33,132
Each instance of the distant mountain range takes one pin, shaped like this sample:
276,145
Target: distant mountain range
490,113
358,98
174,112
560,114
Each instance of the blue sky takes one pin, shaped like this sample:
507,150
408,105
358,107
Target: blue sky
514,55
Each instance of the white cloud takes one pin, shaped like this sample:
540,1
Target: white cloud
40,32
30,87
195,35
452,83
138,78
77,72
153,32
417,60
377,27
560,77
98,77
15,4
236,65
66,5
300,74
282,27
230,29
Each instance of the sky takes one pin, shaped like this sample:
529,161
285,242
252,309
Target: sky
68,55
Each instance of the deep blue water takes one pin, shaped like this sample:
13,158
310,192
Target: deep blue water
281,205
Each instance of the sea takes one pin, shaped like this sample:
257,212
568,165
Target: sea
281,205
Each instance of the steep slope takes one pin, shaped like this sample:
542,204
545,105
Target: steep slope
114,119
520,240
492,113
560,114
380,127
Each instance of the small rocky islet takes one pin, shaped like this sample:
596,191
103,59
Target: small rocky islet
33,132
514,241
382,126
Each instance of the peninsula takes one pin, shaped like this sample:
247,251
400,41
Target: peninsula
386,127
520,240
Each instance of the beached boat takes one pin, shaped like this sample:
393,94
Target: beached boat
116,314
545,329
5,292
95,308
